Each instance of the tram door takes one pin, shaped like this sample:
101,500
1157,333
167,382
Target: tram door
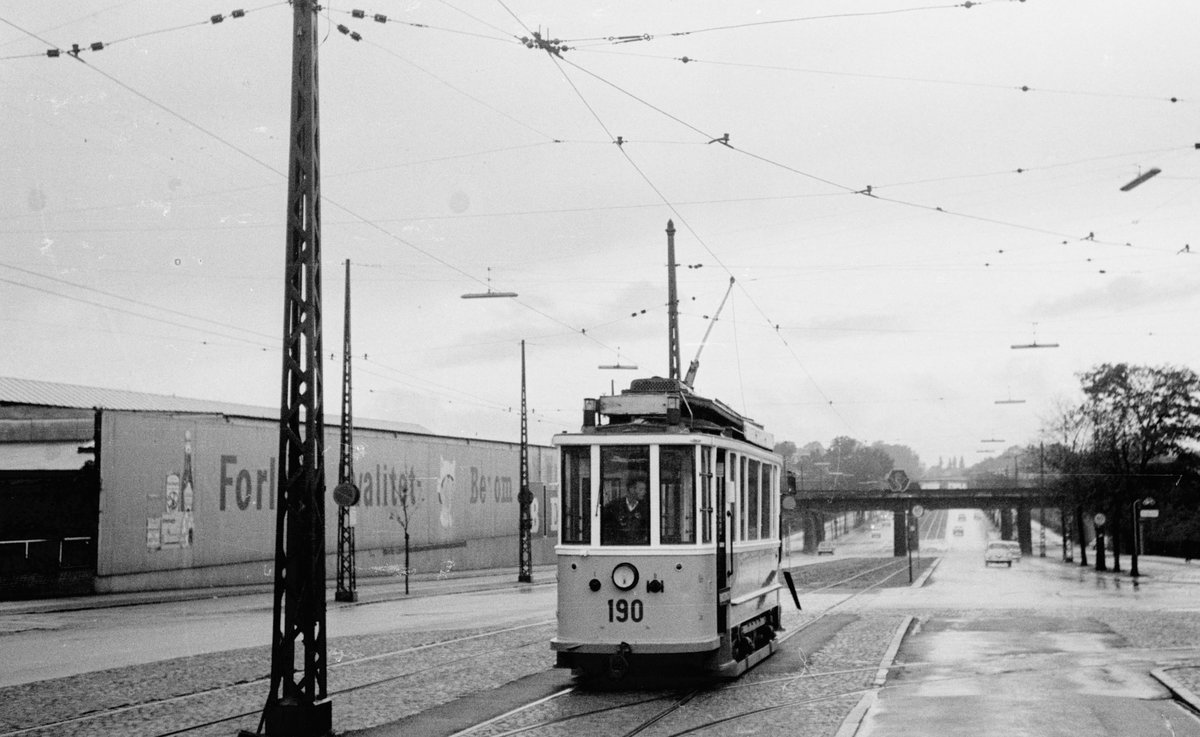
723,547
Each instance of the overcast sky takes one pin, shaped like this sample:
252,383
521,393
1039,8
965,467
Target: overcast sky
908,190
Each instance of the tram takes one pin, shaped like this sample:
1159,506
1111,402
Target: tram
669,554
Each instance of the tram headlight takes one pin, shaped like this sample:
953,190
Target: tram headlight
625,576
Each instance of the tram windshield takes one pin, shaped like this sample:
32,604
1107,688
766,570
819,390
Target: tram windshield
624,498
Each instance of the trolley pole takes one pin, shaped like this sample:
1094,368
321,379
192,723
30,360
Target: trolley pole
298,703
346,493
525,497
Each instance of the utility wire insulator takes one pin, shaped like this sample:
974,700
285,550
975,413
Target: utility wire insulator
239,13
358,13
53,53
99,45
380,18
217,18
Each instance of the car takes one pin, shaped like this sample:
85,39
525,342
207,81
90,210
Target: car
1014,549
825,547
958,532
962,517
997,552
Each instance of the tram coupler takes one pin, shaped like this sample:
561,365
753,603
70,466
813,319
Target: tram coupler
618,662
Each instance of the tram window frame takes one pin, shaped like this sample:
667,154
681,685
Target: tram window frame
706,488
768,500
743,503
753,494
677,494
733,498
622,466
576,529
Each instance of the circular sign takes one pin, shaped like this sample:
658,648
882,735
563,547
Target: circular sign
1100,519
788,503
918,510
345,494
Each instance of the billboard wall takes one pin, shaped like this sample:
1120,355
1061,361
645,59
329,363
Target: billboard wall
198,493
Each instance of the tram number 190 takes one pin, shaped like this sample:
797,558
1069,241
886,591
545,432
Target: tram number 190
622,610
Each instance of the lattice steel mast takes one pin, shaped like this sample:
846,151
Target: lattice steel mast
346,493
525,497
298,703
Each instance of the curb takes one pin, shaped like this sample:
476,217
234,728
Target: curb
855,718
1177,689
925,576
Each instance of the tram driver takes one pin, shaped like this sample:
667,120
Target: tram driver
625,520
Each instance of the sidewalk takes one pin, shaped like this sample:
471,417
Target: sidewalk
370,590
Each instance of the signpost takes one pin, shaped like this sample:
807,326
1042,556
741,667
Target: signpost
916,512
1143,509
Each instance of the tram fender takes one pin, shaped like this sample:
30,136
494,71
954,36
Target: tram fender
787,576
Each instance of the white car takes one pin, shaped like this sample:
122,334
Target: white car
825,547
997,551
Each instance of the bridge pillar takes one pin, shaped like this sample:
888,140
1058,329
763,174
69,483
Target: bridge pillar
1006,524
1024,530
899,546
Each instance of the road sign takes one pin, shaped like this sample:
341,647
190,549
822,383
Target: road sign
898,480
918,510
1100,519
1148,513
346,494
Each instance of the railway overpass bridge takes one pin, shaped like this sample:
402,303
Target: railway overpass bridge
1013,505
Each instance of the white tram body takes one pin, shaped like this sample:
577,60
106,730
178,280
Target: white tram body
686,577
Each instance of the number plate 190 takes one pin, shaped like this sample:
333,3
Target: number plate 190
624,610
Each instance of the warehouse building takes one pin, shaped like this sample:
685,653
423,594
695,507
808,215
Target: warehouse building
105,491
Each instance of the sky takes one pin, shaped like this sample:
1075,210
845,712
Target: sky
901,192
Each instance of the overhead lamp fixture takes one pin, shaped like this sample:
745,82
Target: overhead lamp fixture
1035,343
1141,178
489,294
618,365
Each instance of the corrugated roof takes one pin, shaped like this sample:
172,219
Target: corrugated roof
74,396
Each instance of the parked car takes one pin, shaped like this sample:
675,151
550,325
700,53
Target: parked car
958,532
997,551
825,547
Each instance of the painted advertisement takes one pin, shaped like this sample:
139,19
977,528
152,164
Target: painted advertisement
190,491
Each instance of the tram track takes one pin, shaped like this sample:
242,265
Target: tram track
250,690
241,700
679,701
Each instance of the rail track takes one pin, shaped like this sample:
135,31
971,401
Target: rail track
220,709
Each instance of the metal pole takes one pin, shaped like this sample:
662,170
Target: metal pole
672,307
298,703
908,541
1042,497
525,497
1133,558
347,578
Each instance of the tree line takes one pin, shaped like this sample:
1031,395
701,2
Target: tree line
1132,439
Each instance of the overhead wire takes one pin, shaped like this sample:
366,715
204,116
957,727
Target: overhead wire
683,220
639,37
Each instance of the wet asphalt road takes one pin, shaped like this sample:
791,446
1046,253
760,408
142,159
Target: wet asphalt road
1026,651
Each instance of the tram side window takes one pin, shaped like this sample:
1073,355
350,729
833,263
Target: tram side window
768,499
706,495
677,494
624,497
577,496
752,494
